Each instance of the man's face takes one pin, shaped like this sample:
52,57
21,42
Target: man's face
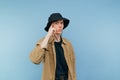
58,25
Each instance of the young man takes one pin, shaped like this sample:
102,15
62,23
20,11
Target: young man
55,51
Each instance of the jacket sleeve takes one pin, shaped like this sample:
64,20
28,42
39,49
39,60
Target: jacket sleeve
74,61
74,64
37,55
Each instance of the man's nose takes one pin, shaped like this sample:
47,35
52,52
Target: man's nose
60,25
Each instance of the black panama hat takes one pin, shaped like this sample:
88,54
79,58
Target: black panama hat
54,17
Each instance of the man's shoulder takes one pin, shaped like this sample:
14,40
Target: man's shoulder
66,41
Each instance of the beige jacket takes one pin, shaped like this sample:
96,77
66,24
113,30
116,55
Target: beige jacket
48,57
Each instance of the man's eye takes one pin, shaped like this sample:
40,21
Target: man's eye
56,22
61,22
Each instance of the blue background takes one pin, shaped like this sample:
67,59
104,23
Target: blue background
94,32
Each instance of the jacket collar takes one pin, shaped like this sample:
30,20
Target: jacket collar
52,40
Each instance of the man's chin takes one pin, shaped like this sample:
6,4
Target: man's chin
58,33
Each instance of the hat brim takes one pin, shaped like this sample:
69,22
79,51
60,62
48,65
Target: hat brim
66,22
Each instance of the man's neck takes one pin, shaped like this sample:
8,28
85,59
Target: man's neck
57,38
